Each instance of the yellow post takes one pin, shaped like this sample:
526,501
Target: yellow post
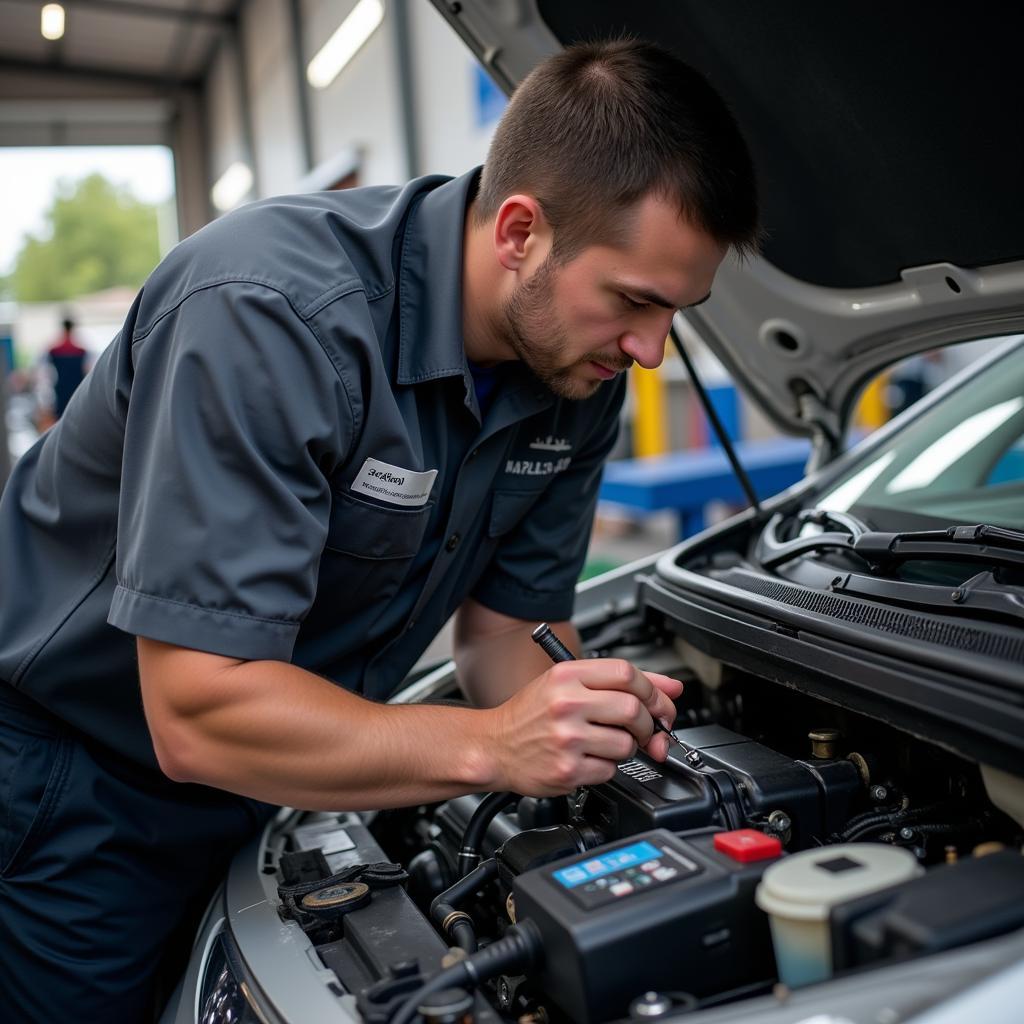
650,427
872,409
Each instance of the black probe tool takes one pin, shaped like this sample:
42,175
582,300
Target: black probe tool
557,651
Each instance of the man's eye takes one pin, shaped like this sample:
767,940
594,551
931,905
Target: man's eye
631,303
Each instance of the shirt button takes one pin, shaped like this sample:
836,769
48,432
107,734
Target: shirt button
452,542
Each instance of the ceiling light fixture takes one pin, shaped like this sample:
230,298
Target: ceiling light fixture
345,43
232,186
51,22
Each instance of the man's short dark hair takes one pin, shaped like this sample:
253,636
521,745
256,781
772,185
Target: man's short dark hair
599,126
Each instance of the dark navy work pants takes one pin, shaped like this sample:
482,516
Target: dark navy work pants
99,861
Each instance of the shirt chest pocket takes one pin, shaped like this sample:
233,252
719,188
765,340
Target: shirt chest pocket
509,508
369,548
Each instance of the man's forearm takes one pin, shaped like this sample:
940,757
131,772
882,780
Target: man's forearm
281,734
278,733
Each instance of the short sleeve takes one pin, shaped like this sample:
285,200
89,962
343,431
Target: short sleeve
236,416
533,574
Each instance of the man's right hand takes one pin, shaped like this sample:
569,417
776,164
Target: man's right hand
572,725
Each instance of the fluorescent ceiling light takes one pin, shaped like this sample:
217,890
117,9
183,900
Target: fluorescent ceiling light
52,21
345,43
231,187
938,457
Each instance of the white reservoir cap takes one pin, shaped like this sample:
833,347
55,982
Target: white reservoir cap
806,885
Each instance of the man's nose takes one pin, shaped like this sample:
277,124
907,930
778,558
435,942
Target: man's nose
646,346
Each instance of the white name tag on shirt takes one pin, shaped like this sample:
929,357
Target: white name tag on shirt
390,483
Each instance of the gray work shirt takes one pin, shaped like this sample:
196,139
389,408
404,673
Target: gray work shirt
280,456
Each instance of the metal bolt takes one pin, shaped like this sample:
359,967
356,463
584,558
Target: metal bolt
879,794
650,1004
781,824
694,759
906,833
957,596
504,993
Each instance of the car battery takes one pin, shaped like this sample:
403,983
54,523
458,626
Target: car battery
654,912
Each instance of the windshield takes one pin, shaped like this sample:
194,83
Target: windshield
962,461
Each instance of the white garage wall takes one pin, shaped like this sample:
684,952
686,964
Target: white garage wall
450,140
277,138
224,128
360,110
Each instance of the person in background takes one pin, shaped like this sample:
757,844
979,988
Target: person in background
68,360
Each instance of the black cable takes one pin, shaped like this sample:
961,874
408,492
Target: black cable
515,952
868,822
487,810
716,424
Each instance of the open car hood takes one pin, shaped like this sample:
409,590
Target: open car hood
890,160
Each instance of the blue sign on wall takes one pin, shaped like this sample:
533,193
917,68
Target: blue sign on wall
490,100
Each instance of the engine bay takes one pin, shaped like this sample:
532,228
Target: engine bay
785,840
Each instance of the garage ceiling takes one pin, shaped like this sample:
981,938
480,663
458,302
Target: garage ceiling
166,43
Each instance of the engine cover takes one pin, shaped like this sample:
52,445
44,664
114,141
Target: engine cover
727,780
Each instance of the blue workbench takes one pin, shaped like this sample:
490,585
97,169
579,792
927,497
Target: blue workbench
687,482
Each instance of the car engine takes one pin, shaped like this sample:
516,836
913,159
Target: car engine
785,840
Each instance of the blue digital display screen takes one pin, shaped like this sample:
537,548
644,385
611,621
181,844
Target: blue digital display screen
605,864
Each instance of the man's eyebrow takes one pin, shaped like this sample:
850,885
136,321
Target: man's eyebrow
658,300
652,297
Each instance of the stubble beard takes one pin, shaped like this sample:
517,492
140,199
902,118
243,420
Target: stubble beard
540,340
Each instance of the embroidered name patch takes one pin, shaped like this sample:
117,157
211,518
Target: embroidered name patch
537,467
392,483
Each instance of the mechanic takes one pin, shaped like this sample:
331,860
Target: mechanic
329,422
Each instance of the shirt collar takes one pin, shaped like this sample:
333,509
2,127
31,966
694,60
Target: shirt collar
430,343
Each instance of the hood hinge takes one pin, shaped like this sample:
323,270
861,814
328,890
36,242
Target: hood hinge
826,434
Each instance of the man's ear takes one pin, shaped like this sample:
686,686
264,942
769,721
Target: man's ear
522,234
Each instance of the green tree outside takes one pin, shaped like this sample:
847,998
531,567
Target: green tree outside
98,236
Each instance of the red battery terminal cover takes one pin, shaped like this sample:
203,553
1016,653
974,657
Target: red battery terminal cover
747,844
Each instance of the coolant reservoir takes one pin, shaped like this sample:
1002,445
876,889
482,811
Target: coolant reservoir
799,892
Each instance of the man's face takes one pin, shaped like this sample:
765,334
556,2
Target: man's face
579,323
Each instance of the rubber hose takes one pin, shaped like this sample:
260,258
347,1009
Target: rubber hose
486,812
464,935
448,902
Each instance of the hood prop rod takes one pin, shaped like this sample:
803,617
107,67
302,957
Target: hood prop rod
716,424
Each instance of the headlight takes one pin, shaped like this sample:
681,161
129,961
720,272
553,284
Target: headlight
225,996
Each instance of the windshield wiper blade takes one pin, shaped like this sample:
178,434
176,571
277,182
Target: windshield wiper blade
989,545
980,594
